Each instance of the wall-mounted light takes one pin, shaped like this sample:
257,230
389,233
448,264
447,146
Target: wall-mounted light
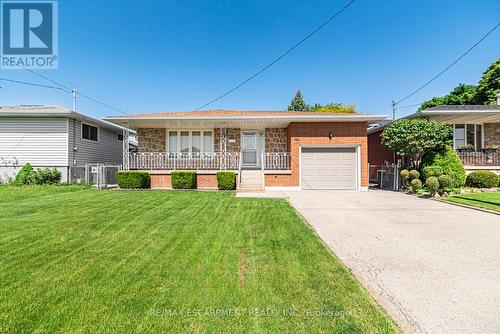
330,135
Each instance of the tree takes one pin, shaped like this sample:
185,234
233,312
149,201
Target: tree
298,103
484,93
489,86
335,108
412,138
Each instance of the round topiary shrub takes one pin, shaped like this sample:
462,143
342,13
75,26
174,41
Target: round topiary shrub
429,171
226,180
450,163
432,183
133,180
482,179
445,181
415,184
414,174
405,174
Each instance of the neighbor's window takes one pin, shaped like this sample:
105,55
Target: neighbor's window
468,136
89,132
119,137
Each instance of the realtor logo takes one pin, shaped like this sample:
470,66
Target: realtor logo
29,35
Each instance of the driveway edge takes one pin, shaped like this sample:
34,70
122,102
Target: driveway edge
468,206
381,300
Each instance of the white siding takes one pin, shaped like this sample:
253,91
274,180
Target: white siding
107,150
39,141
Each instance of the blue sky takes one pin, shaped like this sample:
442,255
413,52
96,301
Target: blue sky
151,56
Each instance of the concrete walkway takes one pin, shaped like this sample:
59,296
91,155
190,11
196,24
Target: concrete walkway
435,265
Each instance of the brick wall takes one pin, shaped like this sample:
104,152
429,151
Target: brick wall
377,153
163,180
346,133
491,134
151,140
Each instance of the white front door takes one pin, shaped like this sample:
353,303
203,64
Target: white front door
249,149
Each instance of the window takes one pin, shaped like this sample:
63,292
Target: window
190,142
119,137
89,132
468,136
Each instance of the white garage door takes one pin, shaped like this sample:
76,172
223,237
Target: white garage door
328,168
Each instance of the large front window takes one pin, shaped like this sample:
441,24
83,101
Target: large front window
190,142
468,136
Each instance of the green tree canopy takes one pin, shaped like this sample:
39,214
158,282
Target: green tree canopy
335,108
412,138
484,93
298,103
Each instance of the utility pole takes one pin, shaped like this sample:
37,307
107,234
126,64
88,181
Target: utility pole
73,91
393,104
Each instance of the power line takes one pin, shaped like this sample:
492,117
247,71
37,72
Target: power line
280,57
32,84
69,90
451,65
413,105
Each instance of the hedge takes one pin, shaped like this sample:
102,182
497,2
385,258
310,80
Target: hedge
133,180
226,180
449,162
184,179
28,176
482,179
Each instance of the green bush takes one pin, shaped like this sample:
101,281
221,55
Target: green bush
415,185
445,181
429,171
405,174
25,176
432,183
226,180
133,180
450,163
414,174
482,179
183,179
47,176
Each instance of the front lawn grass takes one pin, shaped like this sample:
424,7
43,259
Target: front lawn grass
490,201
78,260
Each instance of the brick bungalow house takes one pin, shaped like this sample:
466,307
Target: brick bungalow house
293,150
476,135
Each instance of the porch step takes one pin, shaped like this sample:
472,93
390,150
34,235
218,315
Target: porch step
251,180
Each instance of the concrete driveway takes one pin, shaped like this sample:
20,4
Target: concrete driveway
435,265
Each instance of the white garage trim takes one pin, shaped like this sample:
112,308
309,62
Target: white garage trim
357,148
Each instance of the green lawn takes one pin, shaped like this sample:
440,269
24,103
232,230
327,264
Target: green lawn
489,201
78,260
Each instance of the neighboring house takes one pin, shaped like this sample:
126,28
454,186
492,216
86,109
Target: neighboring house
48,136
476,134
301,150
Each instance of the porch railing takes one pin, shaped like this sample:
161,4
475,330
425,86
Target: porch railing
485,157
276,161
190,161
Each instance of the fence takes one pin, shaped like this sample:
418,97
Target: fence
100,175
175,161
385,176
276,161
485,157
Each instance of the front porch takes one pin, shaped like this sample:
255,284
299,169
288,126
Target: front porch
480,159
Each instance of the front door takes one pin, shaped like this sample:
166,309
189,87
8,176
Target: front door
249,149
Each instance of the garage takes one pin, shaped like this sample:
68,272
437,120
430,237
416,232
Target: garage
328,168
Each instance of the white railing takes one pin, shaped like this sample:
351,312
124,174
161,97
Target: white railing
189,161
276,161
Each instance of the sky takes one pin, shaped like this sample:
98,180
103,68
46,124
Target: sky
161,56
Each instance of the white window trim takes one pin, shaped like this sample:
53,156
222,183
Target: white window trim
90,140
178,148
465,134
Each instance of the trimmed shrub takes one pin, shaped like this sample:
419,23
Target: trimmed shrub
226,180
133,180
415,185
482,179
25,176
414,174
432,184
450,163
445,181
183,179
429,171
498,185
405,174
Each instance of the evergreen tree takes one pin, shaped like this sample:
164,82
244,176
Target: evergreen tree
298,103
